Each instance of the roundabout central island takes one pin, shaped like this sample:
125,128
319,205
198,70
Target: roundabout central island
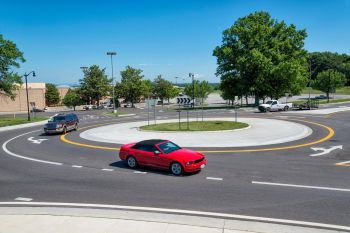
259,132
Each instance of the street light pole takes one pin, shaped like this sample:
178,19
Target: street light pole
26,77
310,85
191,75
113,84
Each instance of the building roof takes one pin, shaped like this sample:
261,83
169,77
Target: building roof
34,86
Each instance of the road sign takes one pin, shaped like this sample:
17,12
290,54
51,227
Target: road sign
183,100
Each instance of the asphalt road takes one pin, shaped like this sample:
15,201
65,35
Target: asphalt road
311,188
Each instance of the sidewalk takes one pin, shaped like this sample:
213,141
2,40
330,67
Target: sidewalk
83,220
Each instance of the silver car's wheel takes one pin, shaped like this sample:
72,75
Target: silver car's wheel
176,169
131,162
76,127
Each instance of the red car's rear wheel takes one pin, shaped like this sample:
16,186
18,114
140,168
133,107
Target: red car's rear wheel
131,161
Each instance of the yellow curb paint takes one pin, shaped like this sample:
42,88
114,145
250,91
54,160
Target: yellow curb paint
329,129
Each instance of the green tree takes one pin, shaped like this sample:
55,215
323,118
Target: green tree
131,87
52,96
72,99
10,57
163,89
147,88
328,81
201,90
322,61
268,56
95,85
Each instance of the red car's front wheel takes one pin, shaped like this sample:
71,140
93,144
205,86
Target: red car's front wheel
176,169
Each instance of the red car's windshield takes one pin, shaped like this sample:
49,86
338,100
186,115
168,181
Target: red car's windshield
168,147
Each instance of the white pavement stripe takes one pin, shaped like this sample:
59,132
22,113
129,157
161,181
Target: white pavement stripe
23,199
77,166
214,178
179,211
301,186
107,170
4,147
345,162
138,172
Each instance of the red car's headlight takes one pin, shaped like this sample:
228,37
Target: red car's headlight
189,163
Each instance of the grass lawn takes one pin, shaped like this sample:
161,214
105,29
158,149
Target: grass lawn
196,126
16,121
340,91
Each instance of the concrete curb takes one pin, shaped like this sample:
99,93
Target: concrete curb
21,219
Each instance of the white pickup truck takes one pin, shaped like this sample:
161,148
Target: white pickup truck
274,105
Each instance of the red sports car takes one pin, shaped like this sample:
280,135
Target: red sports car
162,154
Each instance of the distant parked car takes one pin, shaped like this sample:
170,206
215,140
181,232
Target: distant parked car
35,109
162,154
127,105
87,107
62,123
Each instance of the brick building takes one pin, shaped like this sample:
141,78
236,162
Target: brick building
36,92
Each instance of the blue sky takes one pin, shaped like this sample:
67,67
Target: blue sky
171,38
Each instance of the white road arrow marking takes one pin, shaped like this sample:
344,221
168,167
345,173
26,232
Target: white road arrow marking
36,141
324,150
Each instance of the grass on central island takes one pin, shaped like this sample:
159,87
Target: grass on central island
196,126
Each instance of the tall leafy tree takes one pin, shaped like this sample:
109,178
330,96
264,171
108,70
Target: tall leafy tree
52,96
95,85
10,57
267,55
322,61
163,89
328,81
201,90
72,99
131,87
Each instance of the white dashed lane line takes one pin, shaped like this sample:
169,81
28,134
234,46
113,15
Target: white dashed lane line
301,186
139,172
107,170
23,199
214,178
77,166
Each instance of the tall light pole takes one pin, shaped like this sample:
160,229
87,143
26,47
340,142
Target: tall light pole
176,80
310,84
191,75
26,76
112,54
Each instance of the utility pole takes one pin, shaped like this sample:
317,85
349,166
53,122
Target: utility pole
113,84
26,76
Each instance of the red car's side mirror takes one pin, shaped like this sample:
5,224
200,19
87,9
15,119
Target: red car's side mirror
157,152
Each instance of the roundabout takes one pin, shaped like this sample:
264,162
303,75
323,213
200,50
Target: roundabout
90,170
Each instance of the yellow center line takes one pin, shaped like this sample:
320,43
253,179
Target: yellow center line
329,135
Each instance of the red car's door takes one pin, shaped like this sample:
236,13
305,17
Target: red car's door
144,155
162,161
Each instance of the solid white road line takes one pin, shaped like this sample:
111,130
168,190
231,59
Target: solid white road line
301,186
214,178
107,170
345,162
24,157
23,199
77,166
179,211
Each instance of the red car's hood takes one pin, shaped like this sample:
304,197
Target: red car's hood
186,155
